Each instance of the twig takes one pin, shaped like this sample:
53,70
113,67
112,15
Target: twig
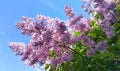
75,52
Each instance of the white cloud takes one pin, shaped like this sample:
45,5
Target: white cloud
50,4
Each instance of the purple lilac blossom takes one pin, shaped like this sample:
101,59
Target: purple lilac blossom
101,46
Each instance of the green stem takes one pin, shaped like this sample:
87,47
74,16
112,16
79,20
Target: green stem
76,52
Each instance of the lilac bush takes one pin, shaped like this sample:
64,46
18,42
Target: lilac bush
80,44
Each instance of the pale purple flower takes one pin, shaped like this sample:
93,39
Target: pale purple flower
42,17
102,45
87,41
18,48
33,58
40,27
35,36
60,27
28,51
53,62
118,0
90,52
67,56
59,60
69,11
108,30
81,28
73,21
62,57
26,26
111,6
109,13
47,35
57,50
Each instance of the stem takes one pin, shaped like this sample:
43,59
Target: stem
75,52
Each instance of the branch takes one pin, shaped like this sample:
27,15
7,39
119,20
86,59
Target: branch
76,52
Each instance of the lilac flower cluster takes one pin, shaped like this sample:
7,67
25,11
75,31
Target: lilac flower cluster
46,34
69,11
87,6
17,47
66,57
107,9
25,27
100,46
81,25
109,13
108,16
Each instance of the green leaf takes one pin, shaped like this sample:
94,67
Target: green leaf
97,34
97,16
116,26
78,44
118,42
96,27
83,50
84,67
52,69
76,34
47,66
105,56
117,66
93,22
51,52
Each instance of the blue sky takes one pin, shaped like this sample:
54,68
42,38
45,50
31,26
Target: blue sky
11,12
